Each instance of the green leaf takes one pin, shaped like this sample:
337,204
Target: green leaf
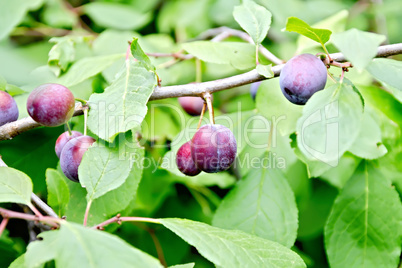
294,24
123,104
254,19
240,55
140,55
387,71
369,144
104,168
187,265
76,246
19,262
232,248
86,68
12,12
42,251
15,186
265,70
117,16
330,123
365,220
58,194
358,47
261,204
61,54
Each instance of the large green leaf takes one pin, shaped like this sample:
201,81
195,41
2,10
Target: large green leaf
358,47
364,227
262,204
388,71
12,12
123,104
232,248
15,186
118,16
294,24
76,246
58,194
330,124
86,68
240,55
254,19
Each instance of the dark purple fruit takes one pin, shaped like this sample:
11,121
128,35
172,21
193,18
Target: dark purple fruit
213,148
63,139
185,162
192,105
254,89
8,108
51,105
71,155
301,77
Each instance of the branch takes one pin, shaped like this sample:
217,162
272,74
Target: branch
10,130
119,220
5,213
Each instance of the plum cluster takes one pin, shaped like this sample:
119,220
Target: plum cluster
301,77
8,108
212,149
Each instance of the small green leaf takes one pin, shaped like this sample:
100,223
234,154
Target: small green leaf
330,123
365,219
233,248
123,105
294,24
254,19
58,194
387,71
76,246
261,204
265,70
358,47
20,263
140,55
61,54
240,55
86,68
15,186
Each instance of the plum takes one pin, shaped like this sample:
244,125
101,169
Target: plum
51,105
63,139
185,162
8,108
301,77
213,148
254,88
192,105
71,155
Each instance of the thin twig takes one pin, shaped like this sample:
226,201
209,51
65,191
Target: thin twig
18,215
3,224
119,219
158,247
43,206
87,212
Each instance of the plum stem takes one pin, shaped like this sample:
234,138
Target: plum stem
87,212
207,97
256,54
70,133
204,106
85,121
84,102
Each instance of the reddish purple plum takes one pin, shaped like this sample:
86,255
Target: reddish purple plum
301,77
51,105
71,155
213,148
185,162
254,88
63,139
192,105
8,108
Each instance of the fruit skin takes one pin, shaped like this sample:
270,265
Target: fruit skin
71,155
301,77
51,104
185,162
213,148
192,105
8,108
63,139
254,89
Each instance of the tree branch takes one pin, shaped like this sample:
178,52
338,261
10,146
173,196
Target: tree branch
10,130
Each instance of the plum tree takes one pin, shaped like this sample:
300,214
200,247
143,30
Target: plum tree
213,148
71,155
192,105
8,108
185,162
63,139
51,104
301,77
